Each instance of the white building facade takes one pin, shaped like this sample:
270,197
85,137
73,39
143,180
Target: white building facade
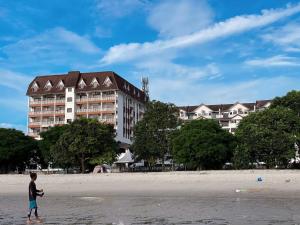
59,99
227,115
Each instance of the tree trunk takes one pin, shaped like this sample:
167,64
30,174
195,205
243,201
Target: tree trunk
82,165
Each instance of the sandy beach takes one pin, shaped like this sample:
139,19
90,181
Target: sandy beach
202,183
204,197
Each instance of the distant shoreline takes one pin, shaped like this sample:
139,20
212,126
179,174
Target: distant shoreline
220,183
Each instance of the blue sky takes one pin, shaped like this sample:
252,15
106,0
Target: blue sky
193,51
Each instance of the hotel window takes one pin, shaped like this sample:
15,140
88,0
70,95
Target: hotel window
69,121
69,89
69,99
69,110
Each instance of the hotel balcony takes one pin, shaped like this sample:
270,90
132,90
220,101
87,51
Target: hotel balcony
47,102
97,110
109,98
45,123
46,112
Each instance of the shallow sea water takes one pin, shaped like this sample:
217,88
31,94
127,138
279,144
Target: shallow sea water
137,210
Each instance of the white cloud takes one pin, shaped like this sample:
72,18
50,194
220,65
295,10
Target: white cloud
52,40
18,82
158,68
83,44
185,92
235,25
14,80
275,61
181,18
118,8
287,37
101,32
56,46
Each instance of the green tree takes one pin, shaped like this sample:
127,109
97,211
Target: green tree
291,100
48,140
16,150
83,141
152,133
202,144
144,145
267,136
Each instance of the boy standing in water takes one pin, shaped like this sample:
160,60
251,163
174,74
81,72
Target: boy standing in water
33,192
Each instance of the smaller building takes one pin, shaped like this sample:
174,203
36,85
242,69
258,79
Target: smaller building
228,115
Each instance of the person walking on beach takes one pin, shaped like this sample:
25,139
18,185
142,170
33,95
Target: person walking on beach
33,192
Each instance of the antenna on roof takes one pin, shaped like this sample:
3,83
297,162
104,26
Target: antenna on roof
145,85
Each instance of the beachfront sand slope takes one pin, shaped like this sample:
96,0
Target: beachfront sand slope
284,183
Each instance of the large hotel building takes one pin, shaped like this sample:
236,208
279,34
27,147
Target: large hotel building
60,99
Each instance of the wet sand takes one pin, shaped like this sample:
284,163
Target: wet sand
207,197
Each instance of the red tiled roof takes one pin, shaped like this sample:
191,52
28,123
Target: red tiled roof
41,82
221,106
262,103
72,79
188,108
249,105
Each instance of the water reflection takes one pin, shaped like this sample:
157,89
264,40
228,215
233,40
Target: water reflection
117,210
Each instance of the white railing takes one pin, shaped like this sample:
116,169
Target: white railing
82,99
109,97
43,123
46,112
95,98
47,101
60,122
108,108
107,120
96,109
81,110
35,123
59,111
35,113
60,100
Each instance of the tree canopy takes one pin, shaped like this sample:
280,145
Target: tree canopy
152,133
268,136
16,150
291,100
202,144
49,139
82,142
